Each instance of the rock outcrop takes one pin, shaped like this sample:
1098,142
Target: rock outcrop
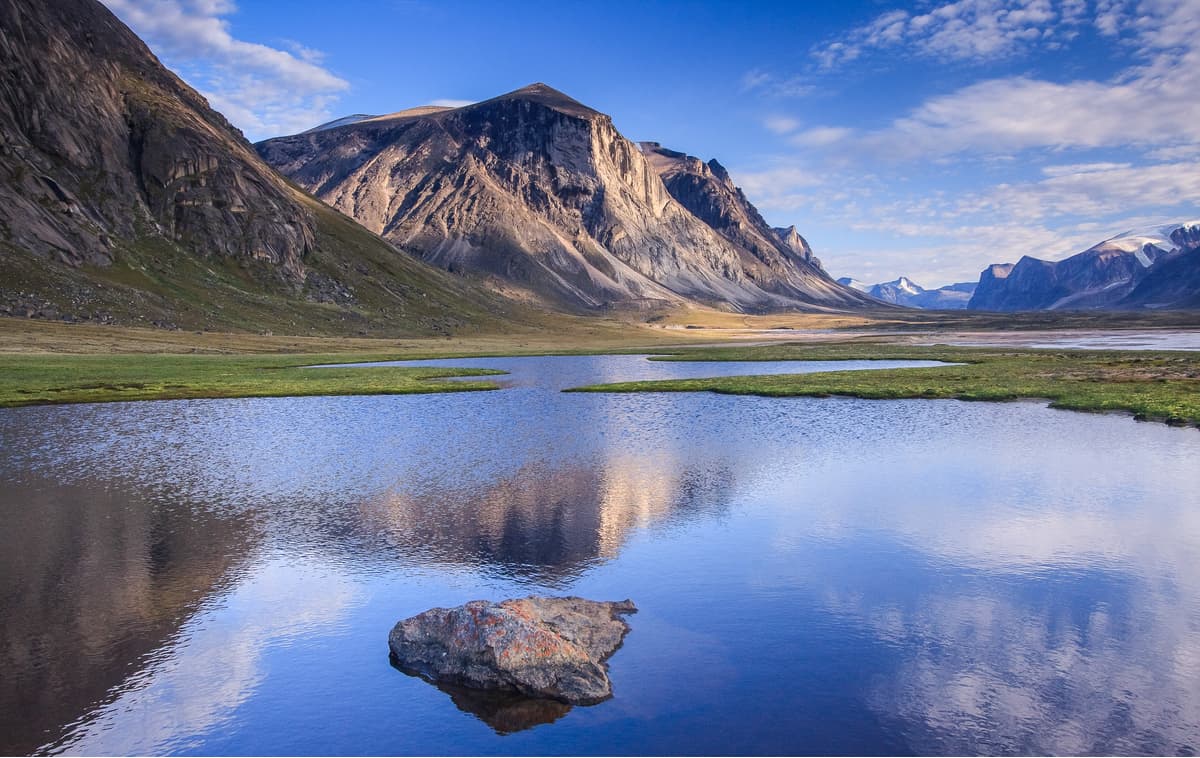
552,648
542,196
1152,268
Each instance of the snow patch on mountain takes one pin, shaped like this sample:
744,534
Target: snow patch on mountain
343,121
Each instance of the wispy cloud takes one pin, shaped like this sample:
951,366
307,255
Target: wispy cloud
1151,104
937,237
821,136
781,124
775,85
264,90
966,30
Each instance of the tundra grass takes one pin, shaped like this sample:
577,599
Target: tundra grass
50,379
1152,385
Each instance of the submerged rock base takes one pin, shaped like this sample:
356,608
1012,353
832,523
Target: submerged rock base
542,647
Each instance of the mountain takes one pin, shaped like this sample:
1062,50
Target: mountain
542,198
1157,267
779,261
124,197
904,291
351,119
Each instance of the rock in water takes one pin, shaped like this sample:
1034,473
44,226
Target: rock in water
540,647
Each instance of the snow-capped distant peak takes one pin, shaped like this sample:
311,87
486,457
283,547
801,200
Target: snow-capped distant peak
1135,240
906,284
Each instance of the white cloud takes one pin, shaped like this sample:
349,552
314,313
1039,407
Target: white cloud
774,85
1125,148
1147,105
965,30
1112,15
263,90
937,237
821,136
1093,191
1081,168
781,124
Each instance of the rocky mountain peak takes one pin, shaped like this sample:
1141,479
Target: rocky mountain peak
792,239
719,171
546,199
544,96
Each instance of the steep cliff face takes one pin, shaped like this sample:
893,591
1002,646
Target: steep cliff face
124,197
536,191
1147,268
778,260
796,244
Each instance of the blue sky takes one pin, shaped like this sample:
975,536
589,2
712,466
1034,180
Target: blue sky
927,139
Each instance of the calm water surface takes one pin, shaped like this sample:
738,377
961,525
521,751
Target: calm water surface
1173,339
814,575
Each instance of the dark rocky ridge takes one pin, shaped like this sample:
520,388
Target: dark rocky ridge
124,196
542,195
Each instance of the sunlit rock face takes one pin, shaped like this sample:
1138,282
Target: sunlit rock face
543,195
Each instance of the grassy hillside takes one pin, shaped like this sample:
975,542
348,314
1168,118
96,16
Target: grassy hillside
357,285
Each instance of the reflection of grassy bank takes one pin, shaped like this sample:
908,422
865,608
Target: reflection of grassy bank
44,379
1157,385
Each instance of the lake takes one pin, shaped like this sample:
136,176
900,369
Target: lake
830,576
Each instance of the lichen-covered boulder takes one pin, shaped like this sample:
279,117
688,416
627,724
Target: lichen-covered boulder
540,647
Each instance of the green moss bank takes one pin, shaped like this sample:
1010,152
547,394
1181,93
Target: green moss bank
47,379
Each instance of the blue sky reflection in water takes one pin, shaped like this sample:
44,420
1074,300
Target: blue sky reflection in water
821,576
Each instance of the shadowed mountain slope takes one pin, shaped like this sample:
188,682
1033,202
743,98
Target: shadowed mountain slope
124,197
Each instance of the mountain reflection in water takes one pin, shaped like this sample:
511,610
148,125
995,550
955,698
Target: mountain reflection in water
542,524
824,576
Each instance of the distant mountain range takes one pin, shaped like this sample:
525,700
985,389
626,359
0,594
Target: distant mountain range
1153,268
904,291
541,198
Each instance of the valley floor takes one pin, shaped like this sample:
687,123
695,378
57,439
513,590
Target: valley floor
50,363
1158,385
